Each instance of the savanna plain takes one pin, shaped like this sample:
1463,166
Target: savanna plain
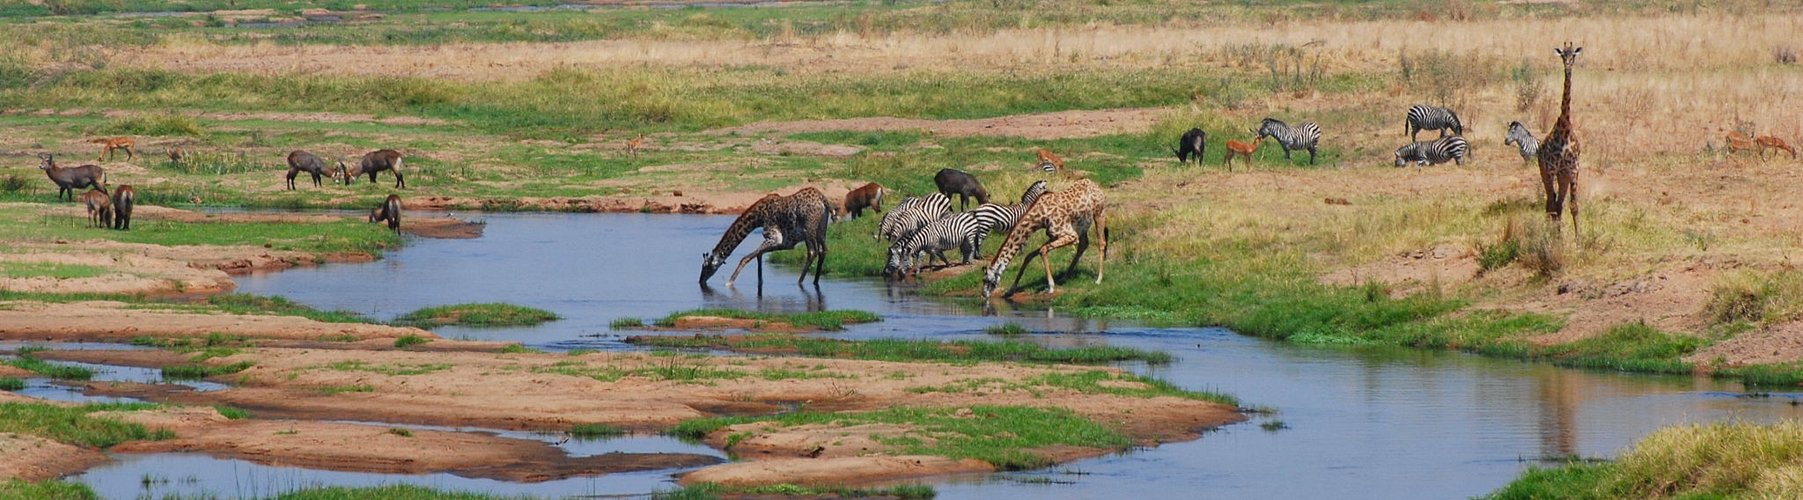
1679,265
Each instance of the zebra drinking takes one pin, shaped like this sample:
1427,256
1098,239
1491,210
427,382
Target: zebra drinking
935,238
911,214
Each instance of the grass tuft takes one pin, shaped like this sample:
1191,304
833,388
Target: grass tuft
595,431
486,314
409,340
71,424
819,320
1717,460
12,384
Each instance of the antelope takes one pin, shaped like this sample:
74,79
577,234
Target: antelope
123,199
1193,143
389,211
1770,142
869,196
1236,147
634,144
100,207
67,179
375,161
302,161
110,144
175,154
1050,162
953,181
1738,141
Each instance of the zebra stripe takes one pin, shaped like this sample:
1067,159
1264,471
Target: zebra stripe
935,238
1306,135
1522,138
1032,193
907,217
1424,117
1433,152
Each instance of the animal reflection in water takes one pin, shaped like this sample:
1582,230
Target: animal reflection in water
811,300
800,218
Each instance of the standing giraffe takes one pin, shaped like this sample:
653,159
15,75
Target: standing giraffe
1559,152
787,220
1066,217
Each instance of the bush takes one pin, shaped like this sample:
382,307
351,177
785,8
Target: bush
12,183
1784,54
1528,85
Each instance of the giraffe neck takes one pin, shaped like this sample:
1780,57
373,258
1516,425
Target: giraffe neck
753,218
1565,102
1023,228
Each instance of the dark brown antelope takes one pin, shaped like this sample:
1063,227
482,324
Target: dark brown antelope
375,161
68,179
958,182
100,208
389,211
869,196
123,199
302,161
110,144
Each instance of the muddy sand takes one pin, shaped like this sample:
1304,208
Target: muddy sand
646,392
107,321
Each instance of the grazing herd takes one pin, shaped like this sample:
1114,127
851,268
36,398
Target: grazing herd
113,210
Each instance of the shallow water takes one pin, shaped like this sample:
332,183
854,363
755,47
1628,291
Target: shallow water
1366,423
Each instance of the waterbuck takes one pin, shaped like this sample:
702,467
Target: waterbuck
68,179
302,161
123,199
100,208
954,181
375,161
389,211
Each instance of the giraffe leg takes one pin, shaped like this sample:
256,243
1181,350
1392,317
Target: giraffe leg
1552,193
769,244
1571,190
1101,227
1051,286
1082,246
1024,262
819,265
807,262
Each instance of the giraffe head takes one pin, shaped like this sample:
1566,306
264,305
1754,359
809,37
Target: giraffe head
709,264
991,276
1568,53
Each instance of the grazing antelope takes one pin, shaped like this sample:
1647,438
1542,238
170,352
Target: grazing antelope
1769,142
302,161
110,144
1739,141
1050,162
123,199
1240,148
67,179
799,218
1194,142
953,181
634,144
389,211
1559,152
375,161
100,207
175,154
869,196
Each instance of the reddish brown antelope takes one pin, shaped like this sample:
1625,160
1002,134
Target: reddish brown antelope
389,211
1769,142
68,179
633,145
375,161
100,208
1240,148
869,196
110,144
123,199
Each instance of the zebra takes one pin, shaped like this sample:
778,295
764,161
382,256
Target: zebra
952,231
1424,117
993,218
1305,135
1433,152
1522,138
911,214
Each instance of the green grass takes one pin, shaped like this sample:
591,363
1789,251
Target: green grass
49,270
231,413
395,369
1006,329
194,371
908,350
45,490
30,363
999,435
834,320
23,223
409,340
670,369
626,323
12,384
1717,460
72,424
240,303
519,349
488,314
1090,382
595,431
709,491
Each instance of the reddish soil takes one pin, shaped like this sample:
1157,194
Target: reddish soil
33,458
834,471
118,322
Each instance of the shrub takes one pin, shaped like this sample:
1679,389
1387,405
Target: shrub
409,340
1528,85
